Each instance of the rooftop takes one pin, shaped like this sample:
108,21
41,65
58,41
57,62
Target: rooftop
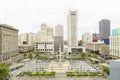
8,26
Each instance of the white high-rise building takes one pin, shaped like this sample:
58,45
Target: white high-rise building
45,34
45,40
72,22
86,37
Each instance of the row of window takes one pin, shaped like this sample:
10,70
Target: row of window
46,49
44,43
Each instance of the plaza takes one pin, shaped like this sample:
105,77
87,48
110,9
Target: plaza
47,65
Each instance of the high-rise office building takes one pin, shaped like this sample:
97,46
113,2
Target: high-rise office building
8,43
45,40
72,22
58,38
45,34
59,30
86,37
104,29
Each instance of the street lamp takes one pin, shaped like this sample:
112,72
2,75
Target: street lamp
81,68
52,67
45,48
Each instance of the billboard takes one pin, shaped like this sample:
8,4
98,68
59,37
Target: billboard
116,31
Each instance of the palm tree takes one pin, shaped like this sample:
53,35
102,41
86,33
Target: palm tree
89,55
82,55
24,55
36,54
4,70
94,56
30,55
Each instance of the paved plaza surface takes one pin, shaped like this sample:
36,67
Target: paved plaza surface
76,65
79,65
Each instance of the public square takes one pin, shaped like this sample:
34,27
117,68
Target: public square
43,65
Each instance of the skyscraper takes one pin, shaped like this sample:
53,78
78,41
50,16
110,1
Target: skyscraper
45,39
58,38
86,37
104,29
72,22
46,33
59,30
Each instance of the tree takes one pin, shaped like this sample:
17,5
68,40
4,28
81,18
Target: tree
30,55
4,70
89,55
24,55
94,56
83,55
36,54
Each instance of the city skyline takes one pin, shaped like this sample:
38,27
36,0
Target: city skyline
27,16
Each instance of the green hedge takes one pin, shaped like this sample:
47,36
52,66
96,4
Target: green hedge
40,73
106,69
70,74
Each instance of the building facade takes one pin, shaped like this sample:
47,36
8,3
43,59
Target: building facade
72,23
86,37
45,34
104,49
76,50
59,30
95,35
58,38
45,39
115,70
115,45
8,43
23,39
45,47
31,39
104,29
24,48
27,39
94,47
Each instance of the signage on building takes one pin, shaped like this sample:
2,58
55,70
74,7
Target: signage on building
116,31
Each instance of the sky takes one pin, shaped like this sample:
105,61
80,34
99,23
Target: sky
27,15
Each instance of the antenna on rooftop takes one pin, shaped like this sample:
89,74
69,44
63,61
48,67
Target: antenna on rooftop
5,20
95,32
